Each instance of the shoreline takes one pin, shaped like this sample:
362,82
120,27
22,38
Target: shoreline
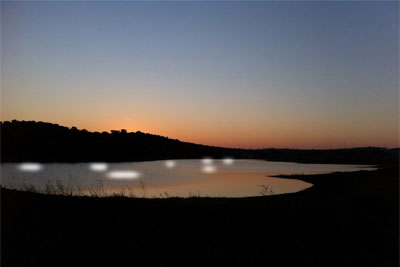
73,188
348,218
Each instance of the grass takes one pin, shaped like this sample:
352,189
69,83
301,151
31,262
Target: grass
345,219
97,189
57,188
266,190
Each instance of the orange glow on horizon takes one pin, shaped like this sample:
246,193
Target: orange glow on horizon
239,76
241,138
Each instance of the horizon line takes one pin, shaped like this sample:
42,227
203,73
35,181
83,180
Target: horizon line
263,148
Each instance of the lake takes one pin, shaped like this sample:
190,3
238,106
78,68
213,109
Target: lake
167,178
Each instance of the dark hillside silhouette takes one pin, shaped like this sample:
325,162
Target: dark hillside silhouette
47,142
345,219
353,224
361,155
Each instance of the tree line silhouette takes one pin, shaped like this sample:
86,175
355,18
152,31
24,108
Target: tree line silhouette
23,141
47,142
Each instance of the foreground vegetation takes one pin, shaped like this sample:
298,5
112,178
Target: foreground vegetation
345,219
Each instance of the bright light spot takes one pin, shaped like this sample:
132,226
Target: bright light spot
228,161
30,167
123,175
170,164
98,167
207,161
209,169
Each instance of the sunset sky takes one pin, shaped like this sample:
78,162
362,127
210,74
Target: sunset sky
235,74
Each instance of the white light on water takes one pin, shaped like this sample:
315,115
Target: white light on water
207,161
209,169
170,164
98,167
30,167
123,175
228,161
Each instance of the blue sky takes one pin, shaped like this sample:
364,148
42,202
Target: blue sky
248,74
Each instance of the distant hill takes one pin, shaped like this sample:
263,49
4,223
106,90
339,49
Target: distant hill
47,142
361,155
23,141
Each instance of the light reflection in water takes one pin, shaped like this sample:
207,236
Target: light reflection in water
207,161
228,161
30,167
240,179
209,169
98,167
123,175
170,164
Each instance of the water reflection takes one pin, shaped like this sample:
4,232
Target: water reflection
228,161
207,177
170,164
98,167
207,161
123,175
209,169
30,167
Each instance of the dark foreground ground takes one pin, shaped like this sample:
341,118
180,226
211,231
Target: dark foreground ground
346,219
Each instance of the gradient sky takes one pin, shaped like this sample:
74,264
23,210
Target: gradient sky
235,74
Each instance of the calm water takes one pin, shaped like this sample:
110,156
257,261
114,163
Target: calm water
227,178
